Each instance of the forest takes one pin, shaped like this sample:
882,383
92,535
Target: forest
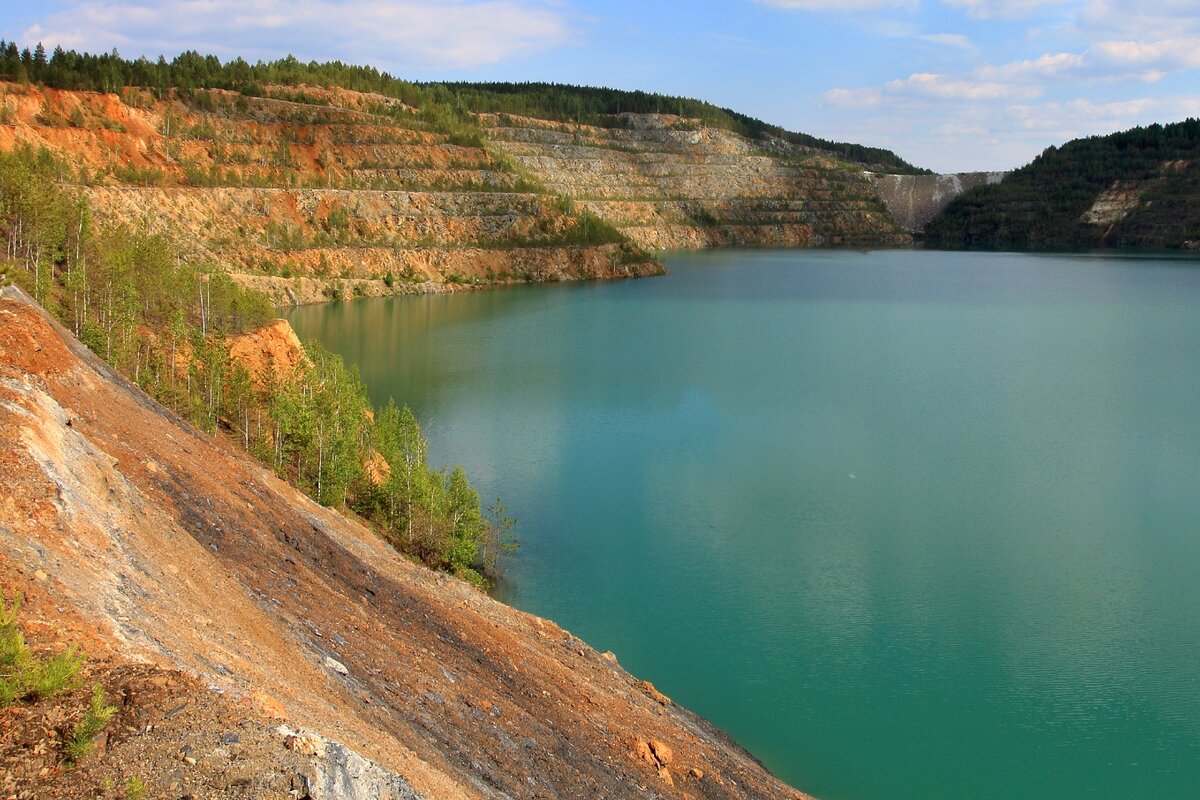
1043,203
448,106
164,322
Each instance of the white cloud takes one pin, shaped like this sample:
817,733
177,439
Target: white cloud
410,33
1147,61
839,5
1152,19
1083,117
854,98
950,40
1182,53
991,9
962,137
1046,66
942,87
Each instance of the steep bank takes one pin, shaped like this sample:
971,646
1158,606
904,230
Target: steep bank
149,542
1138,188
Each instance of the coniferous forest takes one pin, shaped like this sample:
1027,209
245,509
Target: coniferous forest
448,106
1045,203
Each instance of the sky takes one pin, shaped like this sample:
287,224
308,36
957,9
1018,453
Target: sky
952,85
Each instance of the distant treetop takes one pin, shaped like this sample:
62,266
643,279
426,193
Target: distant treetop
109,72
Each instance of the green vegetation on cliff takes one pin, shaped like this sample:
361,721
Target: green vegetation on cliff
1151,176
164,321
447,107
604,107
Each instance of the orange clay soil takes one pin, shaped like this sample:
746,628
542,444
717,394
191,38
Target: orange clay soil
160,549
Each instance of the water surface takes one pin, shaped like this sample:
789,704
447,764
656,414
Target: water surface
904,523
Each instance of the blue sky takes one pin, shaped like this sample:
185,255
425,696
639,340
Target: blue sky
948,84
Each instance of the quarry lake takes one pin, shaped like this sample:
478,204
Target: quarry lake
904,523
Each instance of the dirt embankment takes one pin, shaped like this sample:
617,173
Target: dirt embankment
190,573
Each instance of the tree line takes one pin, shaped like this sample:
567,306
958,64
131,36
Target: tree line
1042,204
447,104
165,322
604,107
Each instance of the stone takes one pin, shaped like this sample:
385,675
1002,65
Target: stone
336,666
662,752
268,705
41,575
655,694
304,743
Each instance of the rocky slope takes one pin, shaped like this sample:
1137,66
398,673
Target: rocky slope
313,193
669,182
913,200
202,586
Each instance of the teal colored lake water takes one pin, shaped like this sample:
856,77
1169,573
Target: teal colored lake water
906,524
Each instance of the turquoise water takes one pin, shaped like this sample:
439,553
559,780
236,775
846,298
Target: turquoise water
904,523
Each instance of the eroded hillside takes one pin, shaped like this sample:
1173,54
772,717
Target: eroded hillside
149,543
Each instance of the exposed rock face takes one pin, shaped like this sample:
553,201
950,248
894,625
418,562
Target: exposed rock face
913,200
668,182
313,194
160,545
272,350
1162,211
338,773
1113,205
312,202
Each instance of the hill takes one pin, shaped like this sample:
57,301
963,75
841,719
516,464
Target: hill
1137,188
217,604
315,181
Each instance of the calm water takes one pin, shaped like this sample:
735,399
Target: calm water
906,524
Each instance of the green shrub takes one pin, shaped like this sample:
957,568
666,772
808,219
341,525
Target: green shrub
93,721
57,674
135,789
23,675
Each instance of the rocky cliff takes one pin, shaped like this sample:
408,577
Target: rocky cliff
311,193
913,200
669,182
260,645
315,193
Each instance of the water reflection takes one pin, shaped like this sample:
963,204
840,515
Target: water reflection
903,523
